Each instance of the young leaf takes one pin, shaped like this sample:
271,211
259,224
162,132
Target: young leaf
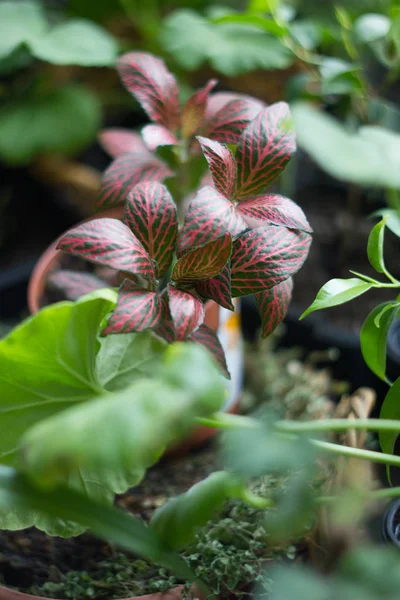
338,291
275,210
126,171
151,215
154,87
74,284
193,112
390,410
226,120
158,135
117,141
110,243
265,256
209,339
391,217
264,150
375,247
373,337
187,312
218,288
137,309
221,164
273,304
210,216
204,262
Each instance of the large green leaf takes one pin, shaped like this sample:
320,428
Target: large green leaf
65,121
371,27
375,248
373,336
20,22
390,410
337,291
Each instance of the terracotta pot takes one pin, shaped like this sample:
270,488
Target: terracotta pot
173,594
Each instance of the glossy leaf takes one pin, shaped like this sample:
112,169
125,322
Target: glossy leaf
205,336
187,312
375,247
118,141
128,170
158,135
193,112
221,164
210,216
264,150
204,262
110,243
338,291
228,123
137,309
374,334
74,284
265,256
147,78
151,215
273,305
218,288
274,210
390,410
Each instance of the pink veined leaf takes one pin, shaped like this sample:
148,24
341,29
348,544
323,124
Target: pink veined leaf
75,284
228,124
222,166
204,262
194,111
110,243
158,135
273,305
165,327
219,100
265,256
147,78
209,339
187,312
137,309
209,216
128,170
217,288
264,150
273,209
121,141
151,215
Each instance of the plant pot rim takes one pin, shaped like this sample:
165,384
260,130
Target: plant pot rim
172,594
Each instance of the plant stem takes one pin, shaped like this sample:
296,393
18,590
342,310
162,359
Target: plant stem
378,457
374,495
338,425
227,421
255,501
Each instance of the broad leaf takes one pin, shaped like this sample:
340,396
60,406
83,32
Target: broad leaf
205,336
158,135
390,410
117,141
209,217
226,120
275,210
371,27
16,30
273,305
147,78
166,328
151,215
204,262
375,247
137,309
110,243
266,256
194,111
74,284
128,170
338,291
218,288
374,334
221,164
187,312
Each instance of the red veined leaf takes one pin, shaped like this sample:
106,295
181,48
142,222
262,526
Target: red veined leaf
209,339
264,150
147,78
194,111
137,309
218,101
110,243
273,305
165,327
121,141
74,284
265,256
158,135
204,262
222,166
128,170
209,216
273,209
218,288
187,312
227,124
151,215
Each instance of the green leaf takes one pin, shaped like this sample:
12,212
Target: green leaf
373,337
76,42
338,76
371,27
337,291
65,121
306,33
20,22
392,219
375,246
390,410
268,25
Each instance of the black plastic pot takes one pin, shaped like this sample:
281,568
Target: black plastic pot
391,523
